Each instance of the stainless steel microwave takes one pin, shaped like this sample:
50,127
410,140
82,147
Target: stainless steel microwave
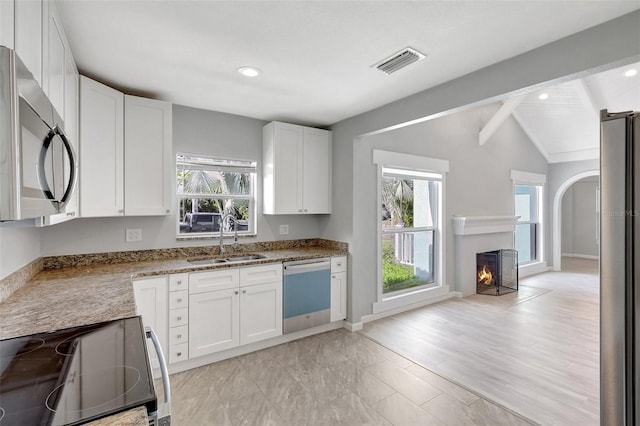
38,166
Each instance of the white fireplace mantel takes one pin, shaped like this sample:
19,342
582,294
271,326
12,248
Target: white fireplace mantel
477,225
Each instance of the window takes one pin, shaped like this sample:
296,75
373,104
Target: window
409,227
528,188
210,188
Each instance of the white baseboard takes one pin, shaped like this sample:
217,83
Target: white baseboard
372,317
252,347
353,326
581,256
532,269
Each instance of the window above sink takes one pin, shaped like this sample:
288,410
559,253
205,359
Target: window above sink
209,188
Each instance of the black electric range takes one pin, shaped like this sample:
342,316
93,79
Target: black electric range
75,375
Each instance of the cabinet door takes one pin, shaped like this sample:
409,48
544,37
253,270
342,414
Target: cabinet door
213,322
316,164
101,150
147,157
151,295
338,296
54,64
287,168
28,35
260,312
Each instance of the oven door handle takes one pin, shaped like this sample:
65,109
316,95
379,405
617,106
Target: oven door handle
148,331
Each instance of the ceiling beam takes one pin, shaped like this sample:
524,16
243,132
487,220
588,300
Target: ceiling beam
532,136
499,117
587,98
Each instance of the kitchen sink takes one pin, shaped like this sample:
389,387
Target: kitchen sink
232,259
245,258
204,262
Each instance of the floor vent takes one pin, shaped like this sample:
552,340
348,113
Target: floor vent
399,60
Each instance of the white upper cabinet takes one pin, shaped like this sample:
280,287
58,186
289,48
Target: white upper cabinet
28,34
126,149
147,157
101,150
296,169
54,51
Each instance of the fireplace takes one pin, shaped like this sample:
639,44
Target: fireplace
497,272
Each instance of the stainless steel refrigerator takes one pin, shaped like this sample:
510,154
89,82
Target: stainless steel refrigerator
620,268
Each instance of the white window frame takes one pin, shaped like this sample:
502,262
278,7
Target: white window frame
421,294
539,180
251,231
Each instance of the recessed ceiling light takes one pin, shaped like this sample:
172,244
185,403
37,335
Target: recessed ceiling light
249,71
631,72
543,96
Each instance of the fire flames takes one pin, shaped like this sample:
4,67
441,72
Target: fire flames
485,276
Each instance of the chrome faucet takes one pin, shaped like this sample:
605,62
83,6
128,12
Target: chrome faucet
235,231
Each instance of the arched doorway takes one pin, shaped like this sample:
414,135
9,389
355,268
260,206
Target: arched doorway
557,215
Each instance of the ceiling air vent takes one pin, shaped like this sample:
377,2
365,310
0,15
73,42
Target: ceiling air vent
399,60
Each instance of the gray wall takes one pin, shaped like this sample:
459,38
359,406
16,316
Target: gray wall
194,131
478,183
579,219
605,46
559,173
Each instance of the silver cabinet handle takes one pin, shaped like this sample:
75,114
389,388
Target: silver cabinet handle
148,331
300,210
244,291
179,300
179,354
179,318
179,336
236,292
121,211
333,276
179,282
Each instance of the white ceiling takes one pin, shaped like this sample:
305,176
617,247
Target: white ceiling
316,56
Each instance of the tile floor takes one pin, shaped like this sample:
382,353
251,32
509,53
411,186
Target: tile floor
327,379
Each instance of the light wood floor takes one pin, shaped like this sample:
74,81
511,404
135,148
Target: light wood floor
535,352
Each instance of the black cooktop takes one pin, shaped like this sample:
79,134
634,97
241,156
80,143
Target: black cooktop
75,375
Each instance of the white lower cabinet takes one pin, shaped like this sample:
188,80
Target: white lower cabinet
338,288
151,296
260,312
213,321
243,305
178,318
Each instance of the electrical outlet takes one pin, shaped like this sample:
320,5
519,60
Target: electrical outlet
134,235
284,229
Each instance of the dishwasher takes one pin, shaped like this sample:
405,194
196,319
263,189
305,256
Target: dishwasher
306,294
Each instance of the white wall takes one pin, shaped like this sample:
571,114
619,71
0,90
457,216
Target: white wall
19,245
605,46
194,131
478,183
579,219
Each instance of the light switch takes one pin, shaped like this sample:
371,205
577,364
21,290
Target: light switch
284,229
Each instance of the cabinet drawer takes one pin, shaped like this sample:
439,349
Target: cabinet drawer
178,317
178,353
339,264
178,282
222,279
260,274
178,335
179,299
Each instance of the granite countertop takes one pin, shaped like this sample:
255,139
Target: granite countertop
133,417
72,296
